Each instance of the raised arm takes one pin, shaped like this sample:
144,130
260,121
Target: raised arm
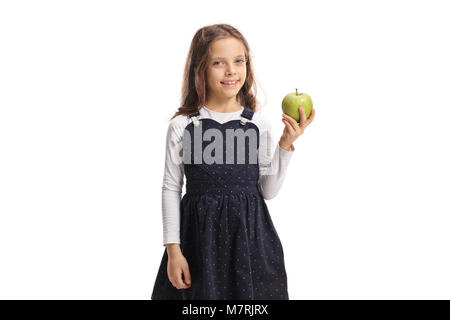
273,162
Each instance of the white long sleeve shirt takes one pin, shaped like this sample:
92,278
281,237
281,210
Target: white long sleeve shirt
273,164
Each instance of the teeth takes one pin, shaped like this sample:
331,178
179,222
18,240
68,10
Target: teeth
228,82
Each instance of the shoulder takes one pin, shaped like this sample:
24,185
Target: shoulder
261,121
178,123
176,127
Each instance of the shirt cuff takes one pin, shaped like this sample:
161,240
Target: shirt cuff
285,155
292,148
171,239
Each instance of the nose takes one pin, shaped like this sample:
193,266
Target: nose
230,70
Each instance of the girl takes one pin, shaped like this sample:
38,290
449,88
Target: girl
220,240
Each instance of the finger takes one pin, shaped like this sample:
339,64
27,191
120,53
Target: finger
173,281
311,118
288,124
312,115
289,127
187,276
179,281
291,120
302,116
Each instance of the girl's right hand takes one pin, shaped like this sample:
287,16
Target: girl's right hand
177,265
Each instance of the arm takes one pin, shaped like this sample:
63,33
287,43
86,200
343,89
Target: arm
177,264
273,168
273,164
172,187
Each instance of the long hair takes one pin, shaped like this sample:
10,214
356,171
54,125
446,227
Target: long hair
194,91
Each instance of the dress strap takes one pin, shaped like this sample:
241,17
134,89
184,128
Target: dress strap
196,114
194,118
246,115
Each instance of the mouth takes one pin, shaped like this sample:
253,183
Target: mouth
230,83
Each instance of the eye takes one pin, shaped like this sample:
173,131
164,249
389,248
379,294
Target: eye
215,63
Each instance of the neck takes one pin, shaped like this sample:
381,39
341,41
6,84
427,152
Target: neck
223,105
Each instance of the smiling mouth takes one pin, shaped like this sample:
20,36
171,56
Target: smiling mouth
230,84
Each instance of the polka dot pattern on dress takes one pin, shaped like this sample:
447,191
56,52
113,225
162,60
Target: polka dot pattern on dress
227,234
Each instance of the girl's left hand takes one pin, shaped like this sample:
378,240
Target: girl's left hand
293,129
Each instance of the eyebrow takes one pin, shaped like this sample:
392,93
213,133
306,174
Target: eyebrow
241,55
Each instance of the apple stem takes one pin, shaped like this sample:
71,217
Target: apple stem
296,92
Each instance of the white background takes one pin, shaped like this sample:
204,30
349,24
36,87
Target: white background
87,89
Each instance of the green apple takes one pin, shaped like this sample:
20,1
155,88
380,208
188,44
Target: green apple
293,101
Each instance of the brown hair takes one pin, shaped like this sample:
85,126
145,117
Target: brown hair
193,95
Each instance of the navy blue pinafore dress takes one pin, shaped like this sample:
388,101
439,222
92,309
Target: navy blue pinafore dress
226,232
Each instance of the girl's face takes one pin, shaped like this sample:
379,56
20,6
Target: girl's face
226,62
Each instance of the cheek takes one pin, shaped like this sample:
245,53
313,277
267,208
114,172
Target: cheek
244,73
243,77
213,78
